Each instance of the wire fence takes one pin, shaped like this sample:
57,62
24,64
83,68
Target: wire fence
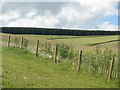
101,62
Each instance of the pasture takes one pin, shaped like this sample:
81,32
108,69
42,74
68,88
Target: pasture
78,42
42,72
22,69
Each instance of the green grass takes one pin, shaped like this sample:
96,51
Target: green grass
22,69
78,42
75,40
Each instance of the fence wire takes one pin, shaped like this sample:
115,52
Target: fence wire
97,62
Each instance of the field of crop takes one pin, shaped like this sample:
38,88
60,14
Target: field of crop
41,71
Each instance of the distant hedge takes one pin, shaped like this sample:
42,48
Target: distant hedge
55,31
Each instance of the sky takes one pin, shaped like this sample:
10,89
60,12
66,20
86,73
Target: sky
70,14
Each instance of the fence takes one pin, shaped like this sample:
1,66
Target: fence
103,62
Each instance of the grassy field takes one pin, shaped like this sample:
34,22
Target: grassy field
85,43
22,69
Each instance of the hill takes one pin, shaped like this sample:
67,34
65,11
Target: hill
22,69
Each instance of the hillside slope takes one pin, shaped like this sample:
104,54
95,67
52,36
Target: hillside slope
22,69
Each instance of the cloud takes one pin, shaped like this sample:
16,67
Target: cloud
59,0
85,15
32,13
9,16
78,15
37,21
91,1
108,26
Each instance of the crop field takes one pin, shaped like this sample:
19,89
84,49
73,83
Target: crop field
23,69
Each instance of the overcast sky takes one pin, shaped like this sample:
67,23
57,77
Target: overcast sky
69,14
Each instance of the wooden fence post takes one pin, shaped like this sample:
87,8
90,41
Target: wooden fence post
111,69
21,45
37,48
79,60
8,40
55,54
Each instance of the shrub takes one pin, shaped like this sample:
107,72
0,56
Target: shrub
46,49
65,51
25,43
98,60
16,42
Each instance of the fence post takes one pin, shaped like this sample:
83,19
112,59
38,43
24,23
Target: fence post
21,45
37,48
8,40
111,69
55,54
79,60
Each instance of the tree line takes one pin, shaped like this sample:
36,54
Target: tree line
55,31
